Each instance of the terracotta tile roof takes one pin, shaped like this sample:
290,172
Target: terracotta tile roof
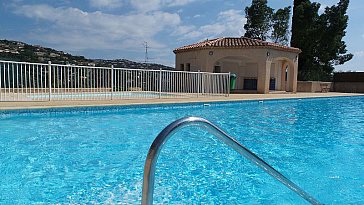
239,42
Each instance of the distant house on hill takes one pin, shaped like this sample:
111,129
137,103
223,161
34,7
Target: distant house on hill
260,66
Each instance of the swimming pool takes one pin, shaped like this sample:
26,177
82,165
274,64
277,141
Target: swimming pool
96,155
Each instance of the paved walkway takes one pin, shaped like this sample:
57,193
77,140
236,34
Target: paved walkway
232,97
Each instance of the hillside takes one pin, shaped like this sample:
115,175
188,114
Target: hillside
19,51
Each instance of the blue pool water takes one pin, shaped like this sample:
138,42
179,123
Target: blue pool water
96,155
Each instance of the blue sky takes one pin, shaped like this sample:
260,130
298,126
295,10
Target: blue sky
113,29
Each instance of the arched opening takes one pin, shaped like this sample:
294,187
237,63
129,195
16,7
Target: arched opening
282,75
245,69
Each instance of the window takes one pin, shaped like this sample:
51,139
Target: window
182,67
188,67
217,69
272,84
250,84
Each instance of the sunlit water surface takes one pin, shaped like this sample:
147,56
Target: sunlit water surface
96,155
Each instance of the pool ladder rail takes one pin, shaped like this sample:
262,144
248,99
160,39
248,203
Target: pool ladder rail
162,138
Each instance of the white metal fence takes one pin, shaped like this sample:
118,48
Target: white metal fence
21,81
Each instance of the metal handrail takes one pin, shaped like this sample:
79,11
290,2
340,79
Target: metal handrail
162,138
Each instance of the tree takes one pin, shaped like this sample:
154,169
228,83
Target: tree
320,38
262,23
280,25
331,49
305,16
258,17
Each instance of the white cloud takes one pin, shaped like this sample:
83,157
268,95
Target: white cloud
143,5
153,5
106,3
77,29
177,2
187,32
228,23
362,35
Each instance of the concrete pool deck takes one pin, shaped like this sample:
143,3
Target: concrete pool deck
232,97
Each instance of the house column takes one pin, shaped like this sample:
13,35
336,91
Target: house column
292,77
264,76
295,75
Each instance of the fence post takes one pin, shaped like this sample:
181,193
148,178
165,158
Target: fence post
1,86
229,86
112,81
198,82
202,84
160,83
50,80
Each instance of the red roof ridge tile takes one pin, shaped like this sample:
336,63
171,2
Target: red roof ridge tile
235,42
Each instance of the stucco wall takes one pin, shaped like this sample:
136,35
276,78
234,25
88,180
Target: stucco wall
314,86
251,70
230,67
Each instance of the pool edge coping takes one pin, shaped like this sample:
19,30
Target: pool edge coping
146,102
